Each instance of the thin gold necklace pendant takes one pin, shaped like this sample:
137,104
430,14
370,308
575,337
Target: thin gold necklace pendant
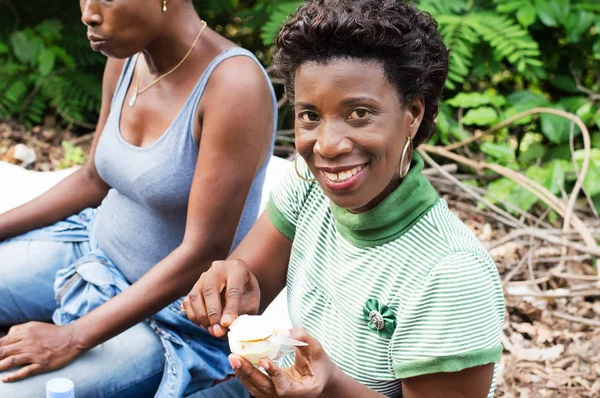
132,100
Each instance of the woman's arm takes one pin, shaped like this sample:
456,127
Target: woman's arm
468,383
236,134
267,252
82,189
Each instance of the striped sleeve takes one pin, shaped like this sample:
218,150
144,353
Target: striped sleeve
453,322
288,198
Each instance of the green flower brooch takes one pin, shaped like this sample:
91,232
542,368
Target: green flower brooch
380,318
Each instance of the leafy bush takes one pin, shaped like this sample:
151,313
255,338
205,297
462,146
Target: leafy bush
39,74
508,56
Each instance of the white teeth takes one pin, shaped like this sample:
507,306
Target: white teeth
342,175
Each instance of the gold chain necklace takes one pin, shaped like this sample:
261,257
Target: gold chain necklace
137,92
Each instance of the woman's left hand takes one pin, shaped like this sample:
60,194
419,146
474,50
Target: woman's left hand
310,376
36,347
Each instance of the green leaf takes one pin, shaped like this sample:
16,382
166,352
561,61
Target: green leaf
271,28
586,112
591,182
508,190
596,201
526,15
577,24
522,101
62,55
532,153
46,61
561,151
551,176
596,140
555,128
565,82
481,116
22,47
545,13
73,154
50,30
502,152
474,100
4,49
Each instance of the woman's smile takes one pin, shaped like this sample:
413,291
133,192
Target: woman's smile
343,178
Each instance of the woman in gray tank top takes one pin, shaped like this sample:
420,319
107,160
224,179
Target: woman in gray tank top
173,183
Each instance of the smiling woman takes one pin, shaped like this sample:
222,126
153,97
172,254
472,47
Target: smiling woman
392,292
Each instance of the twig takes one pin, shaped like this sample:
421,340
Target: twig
578,319
83,139
450,168
559,293
516,270
591,94
75,121
541,234
580,176
504,203
467,189
465,206
546,260
576,168
530,263
534,281
564,275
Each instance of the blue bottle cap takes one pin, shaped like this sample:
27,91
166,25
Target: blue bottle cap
60,388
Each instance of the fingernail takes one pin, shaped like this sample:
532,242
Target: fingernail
226,319
265,364
235,364
218,331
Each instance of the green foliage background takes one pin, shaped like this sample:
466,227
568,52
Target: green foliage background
506,56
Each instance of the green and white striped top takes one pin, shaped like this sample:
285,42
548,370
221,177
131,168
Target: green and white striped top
405,289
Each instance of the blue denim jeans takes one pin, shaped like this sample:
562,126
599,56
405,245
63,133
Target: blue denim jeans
230,389
131,364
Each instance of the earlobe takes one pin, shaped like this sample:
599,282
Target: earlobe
417,110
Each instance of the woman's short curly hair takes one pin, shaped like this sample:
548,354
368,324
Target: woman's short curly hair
394,32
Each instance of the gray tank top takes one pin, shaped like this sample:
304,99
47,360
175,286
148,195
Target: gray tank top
143,217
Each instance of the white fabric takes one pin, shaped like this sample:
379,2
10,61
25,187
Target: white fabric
17,186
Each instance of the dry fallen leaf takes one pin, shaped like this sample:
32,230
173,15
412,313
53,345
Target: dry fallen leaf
540,354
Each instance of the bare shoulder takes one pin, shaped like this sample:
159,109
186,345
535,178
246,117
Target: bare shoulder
242,76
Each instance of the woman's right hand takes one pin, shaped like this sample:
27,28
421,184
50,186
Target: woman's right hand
230,281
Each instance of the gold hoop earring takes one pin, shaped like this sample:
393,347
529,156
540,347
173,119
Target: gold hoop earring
298,171
407,152
164,7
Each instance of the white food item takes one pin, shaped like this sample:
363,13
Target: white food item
249,337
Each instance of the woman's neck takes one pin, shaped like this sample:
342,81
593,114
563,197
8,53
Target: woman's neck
168,49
